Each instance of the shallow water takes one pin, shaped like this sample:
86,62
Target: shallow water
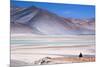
27,49
53,40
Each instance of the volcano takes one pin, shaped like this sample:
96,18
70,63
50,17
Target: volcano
34,20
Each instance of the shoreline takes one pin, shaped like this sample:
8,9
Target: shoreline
57,53
33,54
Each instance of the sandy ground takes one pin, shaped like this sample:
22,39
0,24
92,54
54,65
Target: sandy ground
25,54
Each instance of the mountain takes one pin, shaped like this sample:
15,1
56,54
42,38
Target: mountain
34,20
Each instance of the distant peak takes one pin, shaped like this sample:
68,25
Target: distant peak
32,6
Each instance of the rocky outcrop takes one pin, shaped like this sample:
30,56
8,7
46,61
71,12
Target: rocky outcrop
45,60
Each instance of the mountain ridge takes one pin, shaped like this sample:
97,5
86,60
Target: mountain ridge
41,21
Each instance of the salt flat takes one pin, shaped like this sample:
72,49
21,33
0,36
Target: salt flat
28,49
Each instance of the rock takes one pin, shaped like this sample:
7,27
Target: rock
80,55
45,60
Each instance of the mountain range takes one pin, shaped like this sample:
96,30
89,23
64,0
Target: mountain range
34,20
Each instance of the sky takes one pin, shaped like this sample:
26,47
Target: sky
64,10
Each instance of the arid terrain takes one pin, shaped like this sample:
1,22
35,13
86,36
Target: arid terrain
38,50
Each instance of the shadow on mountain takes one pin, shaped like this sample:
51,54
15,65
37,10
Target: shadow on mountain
34,20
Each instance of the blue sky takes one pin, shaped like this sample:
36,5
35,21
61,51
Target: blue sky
64,10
